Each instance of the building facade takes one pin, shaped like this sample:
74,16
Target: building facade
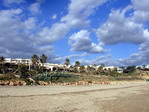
18,61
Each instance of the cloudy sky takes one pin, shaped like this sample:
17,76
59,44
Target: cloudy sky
112,32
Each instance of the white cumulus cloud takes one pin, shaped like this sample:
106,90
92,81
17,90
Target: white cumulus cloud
78,12
81,41
9,2
121,29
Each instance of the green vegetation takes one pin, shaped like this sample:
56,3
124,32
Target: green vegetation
43,58
35,60
22,70
55,77
33,74
7,76
77,64
67,62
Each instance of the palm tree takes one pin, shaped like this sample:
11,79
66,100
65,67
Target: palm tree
35,60
43,58
77,64
103,65
2,60
67,62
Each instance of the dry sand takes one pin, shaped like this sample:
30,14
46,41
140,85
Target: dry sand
99,98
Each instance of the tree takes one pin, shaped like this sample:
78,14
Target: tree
43,58
109,69
35,60
102,65
75,69
23,71
77,64
95,65
131,68
100,69
2,59
143,66
67,62
139,68
89,69
122,67
3,68
82,69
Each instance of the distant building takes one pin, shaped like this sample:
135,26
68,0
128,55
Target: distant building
147,66
60,67
143,66
109,68
18,61
28,62
119,70
53,67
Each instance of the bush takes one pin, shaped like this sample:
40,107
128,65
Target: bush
8,76
23,71
32,73
55,77
28,82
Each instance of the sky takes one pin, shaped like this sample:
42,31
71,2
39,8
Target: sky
110,32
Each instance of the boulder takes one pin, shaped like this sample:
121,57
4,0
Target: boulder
6,82
11,83
2,83
43,83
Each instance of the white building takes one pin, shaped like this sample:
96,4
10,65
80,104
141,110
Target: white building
147,66
119,70
143,66
109,68
28,62
18,61
52,66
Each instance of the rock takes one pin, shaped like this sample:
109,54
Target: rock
15,83
49,83
23,83
43,83
20,83
31,80
6,82
11,83
1,82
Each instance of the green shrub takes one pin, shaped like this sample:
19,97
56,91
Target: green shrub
8,76
55,77
32,73
28,82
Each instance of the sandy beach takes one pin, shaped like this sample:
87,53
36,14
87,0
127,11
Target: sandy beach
91,98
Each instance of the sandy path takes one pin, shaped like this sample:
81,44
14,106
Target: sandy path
101,98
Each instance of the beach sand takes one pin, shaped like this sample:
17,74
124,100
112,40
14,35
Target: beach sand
93,98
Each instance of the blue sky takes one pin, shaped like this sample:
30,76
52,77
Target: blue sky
110,32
